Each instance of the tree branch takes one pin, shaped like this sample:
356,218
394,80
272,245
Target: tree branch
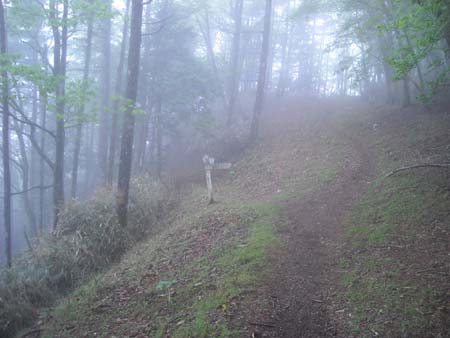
26,120
41,153
418,166
31,189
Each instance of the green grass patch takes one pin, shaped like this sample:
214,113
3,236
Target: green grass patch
380,298
401,200
242,266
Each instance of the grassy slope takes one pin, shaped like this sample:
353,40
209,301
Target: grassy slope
173,285
397,282
189,281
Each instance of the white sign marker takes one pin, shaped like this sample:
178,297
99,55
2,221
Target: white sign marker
210,165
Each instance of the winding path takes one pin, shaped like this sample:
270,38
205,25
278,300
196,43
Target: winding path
308,271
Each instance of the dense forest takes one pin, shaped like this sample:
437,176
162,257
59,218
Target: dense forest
109,106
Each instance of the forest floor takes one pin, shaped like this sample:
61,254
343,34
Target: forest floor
308,239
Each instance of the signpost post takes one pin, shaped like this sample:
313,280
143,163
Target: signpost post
210,165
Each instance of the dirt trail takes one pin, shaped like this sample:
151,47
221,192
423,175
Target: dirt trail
305,277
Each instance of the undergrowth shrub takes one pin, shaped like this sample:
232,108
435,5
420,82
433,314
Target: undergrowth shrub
87,240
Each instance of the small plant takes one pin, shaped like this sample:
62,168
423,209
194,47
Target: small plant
166,285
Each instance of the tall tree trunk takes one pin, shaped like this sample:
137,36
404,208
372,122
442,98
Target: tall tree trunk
159,138
25,168
260,93
205,30
43,111
59,69
285,47
79,130
5,138
235,57
143,121
105,91
117,94
142,138
406,92
271,56
34,157
89,181
386,45
126,151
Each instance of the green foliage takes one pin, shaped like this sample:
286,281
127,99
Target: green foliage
311,7
403,34
420,29
78,93
96,10
25,17
165,284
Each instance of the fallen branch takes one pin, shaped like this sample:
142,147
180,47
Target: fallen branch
396,171
261,324
33,333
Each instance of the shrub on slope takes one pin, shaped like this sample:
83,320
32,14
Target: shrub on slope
88,239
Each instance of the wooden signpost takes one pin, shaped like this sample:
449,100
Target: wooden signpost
210,165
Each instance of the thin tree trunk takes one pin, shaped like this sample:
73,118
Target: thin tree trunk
158,131
105,91
284,71
142,122
89,181
406,92
389,83
79,131
206,33
60,57
271,56
117,93
235,57
259,102
151,151
141,139
25,168
126,151
43,105
34,157
5,138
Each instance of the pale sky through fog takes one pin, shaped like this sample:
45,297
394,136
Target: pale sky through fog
119,4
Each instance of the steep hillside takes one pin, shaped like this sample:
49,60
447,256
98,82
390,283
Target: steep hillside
305,240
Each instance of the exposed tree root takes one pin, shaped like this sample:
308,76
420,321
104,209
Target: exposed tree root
396,171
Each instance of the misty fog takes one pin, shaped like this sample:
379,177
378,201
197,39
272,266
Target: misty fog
108,108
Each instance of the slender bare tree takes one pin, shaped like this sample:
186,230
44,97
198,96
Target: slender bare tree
126,151
235,57
260,92
5,134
